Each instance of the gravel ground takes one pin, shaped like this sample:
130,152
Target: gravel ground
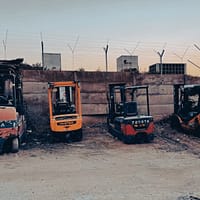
102,168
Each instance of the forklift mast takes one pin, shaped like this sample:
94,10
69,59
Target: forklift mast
127,106
11,84
112,98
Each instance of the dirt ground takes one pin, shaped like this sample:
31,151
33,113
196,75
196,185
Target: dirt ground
102,168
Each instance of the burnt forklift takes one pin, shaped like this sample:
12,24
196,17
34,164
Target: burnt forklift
65,110
124,119
186,114
12,111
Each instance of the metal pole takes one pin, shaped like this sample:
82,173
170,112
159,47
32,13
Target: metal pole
161,65
197,47
147,93
106,56
73,50
194,64
42,45
5,45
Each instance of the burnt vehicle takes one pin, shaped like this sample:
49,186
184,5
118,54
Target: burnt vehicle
186,116
125,120
12,109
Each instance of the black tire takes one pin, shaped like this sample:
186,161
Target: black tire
109,129
141,138
15,145
175,123
108,126
149,139
127,140
77,136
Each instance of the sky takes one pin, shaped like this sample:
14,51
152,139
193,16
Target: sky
129,27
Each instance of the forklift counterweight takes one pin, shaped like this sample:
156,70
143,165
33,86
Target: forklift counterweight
125,119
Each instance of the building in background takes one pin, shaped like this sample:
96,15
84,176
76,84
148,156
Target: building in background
52,61
168,68
127,63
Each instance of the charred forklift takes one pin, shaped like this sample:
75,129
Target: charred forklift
65,110
186,114
12,112
125,120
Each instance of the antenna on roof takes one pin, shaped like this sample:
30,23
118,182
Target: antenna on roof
72,49
5,45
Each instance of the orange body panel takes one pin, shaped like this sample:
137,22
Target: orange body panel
8,132
68,122
10,114
7,113
66,125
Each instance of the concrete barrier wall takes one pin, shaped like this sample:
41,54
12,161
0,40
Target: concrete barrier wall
93,91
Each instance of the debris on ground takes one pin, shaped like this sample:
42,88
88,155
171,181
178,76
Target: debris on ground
96,136
188,198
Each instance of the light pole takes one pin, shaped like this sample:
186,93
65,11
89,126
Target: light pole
5,45
106,56
161,55
72,49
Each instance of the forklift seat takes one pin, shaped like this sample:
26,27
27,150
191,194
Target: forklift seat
131,108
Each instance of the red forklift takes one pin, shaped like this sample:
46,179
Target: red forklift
125,120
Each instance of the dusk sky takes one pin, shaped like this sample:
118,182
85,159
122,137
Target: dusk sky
137,27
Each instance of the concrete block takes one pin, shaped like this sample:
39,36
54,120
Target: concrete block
155,99
36,99
93,109
87,87
157,109
35,88
93,98
160,89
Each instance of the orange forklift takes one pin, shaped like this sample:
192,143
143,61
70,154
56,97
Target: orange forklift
127,120
12,112
65,109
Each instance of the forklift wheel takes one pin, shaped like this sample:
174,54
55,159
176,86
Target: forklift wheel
127,140
15,145
175,124
77,136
